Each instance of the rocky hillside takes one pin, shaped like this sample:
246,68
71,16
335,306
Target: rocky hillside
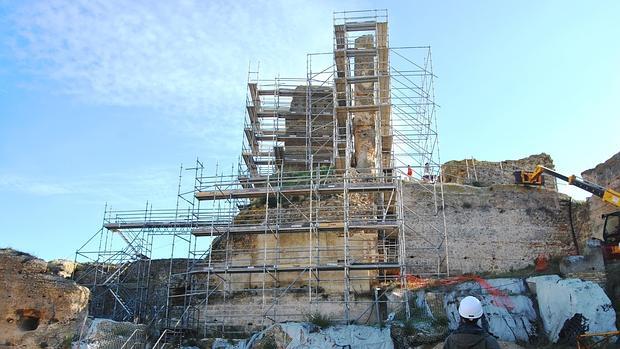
38,309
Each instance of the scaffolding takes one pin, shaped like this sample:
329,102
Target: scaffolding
315,219
395,86
277,129
115,266
316,222
285,238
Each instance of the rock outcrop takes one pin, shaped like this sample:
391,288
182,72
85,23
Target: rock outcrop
38,310
607,175
61,267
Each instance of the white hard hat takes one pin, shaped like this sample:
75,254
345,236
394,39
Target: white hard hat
470,308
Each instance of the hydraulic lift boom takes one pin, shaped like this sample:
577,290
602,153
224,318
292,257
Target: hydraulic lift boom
535,178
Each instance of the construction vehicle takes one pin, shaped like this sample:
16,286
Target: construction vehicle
535,178
611,227
611,236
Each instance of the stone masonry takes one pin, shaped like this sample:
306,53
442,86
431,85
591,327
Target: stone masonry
490,229
485,173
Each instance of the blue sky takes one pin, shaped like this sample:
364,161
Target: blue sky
101,101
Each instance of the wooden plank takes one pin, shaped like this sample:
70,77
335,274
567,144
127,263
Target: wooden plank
360,52
360,26
362,79
360,108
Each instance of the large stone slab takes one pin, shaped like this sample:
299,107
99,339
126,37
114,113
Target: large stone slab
562,299
507,307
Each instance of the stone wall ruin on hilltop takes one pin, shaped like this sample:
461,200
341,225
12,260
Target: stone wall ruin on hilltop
486,173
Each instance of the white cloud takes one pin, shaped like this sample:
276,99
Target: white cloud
188,58
23,184
130,189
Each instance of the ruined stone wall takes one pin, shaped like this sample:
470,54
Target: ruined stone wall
495,228
485,173
364,122
153,299
37,309
607,175
295,144
158,284
293,249
294,306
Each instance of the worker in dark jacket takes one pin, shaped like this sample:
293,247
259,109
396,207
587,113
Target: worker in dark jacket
469,334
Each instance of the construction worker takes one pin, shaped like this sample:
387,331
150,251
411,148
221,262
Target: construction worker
469,334
409,173
428,177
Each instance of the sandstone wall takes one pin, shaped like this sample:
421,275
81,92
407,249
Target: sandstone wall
243,311
293,249
485,173
494,228
37,310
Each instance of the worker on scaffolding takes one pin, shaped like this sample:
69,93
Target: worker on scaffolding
428,177
469,334
409,173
